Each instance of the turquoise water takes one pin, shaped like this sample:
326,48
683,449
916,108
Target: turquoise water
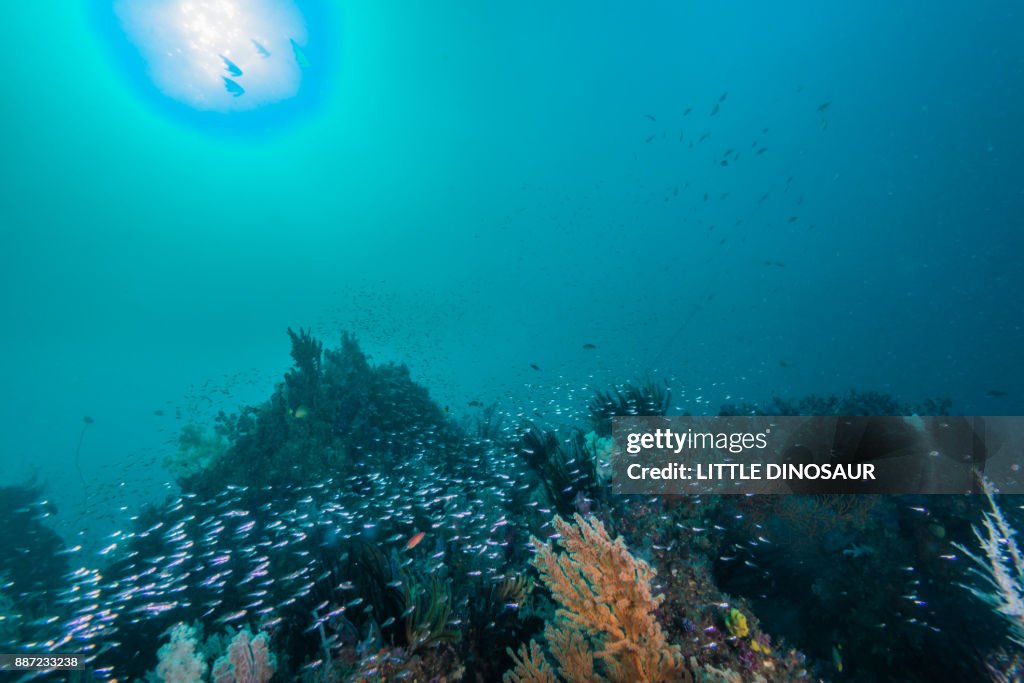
480,190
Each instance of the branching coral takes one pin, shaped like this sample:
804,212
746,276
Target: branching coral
178,661
604,628
1002,566
531,666
248,660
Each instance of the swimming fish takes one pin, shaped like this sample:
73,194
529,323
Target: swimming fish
233,87
231,67
300,54
415,540
264,52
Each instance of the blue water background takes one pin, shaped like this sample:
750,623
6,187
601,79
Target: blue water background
473,192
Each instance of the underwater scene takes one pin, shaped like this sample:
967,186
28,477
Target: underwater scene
321,320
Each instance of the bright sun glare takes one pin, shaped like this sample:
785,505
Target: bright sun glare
219,55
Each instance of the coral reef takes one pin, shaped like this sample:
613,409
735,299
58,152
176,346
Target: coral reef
566,468
647,398
248,660
34,564
198,450
1000,565
736,623
365,535
604,628
852,403
332,409
178,661
430,600
9,618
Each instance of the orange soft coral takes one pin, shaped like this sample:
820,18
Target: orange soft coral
604,629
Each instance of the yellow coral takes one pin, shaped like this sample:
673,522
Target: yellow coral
604,628
736,623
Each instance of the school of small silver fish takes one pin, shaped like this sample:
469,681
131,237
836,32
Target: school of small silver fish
256,556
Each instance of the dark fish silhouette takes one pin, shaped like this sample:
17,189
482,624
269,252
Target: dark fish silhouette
232,87
715,110
264,52
534,366
589,346
231,67
650,117
824,105
688,110
300,54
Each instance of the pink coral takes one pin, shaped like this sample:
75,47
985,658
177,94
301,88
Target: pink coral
177,661
248,660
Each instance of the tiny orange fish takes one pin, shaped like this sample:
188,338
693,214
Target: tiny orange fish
415,540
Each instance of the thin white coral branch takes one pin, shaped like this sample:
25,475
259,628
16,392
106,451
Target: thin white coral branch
1000,565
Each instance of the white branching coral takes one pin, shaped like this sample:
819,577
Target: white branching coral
1000,565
